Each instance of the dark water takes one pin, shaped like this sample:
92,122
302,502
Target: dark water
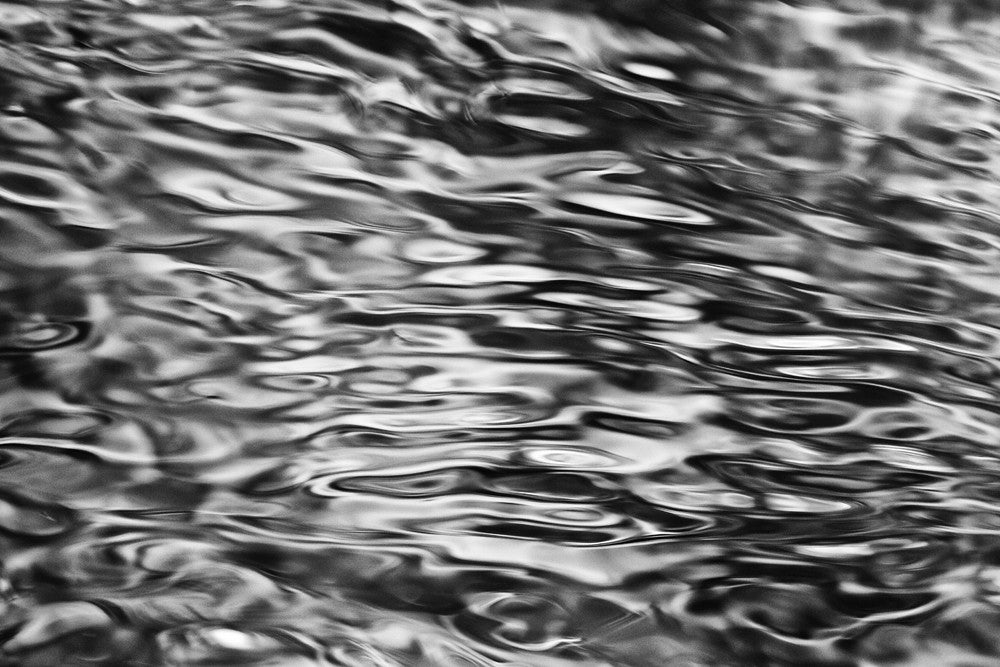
425,333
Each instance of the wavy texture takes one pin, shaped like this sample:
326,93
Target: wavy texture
540,333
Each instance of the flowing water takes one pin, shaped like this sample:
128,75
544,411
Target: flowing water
430,333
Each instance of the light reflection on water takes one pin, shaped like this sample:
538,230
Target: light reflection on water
440,333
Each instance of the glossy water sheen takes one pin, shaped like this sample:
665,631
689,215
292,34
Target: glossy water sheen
425,333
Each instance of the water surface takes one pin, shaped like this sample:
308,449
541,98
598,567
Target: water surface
430,333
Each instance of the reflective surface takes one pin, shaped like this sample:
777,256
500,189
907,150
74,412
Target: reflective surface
421,333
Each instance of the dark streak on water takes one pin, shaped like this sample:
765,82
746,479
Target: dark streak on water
421,333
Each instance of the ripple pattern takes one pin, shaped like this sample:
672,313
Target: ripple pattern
446,332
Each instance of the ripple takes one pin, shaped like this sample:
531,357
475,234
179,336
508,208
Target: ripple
220,193
296,383
441,251
633,206
208,645
23,517
568,458
489,274
45,336
36,186
440,333
420,485
649,71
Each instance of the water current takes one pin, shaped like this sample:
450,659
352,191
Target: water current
427,333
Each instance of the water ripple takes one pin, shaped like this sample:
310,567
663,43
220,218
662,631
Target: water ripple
452,333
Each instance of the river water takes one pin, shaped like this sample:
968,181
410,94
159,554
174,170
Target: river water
425,333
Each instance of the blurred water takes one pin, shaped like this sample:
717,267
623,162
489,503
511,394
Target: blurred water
425,333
